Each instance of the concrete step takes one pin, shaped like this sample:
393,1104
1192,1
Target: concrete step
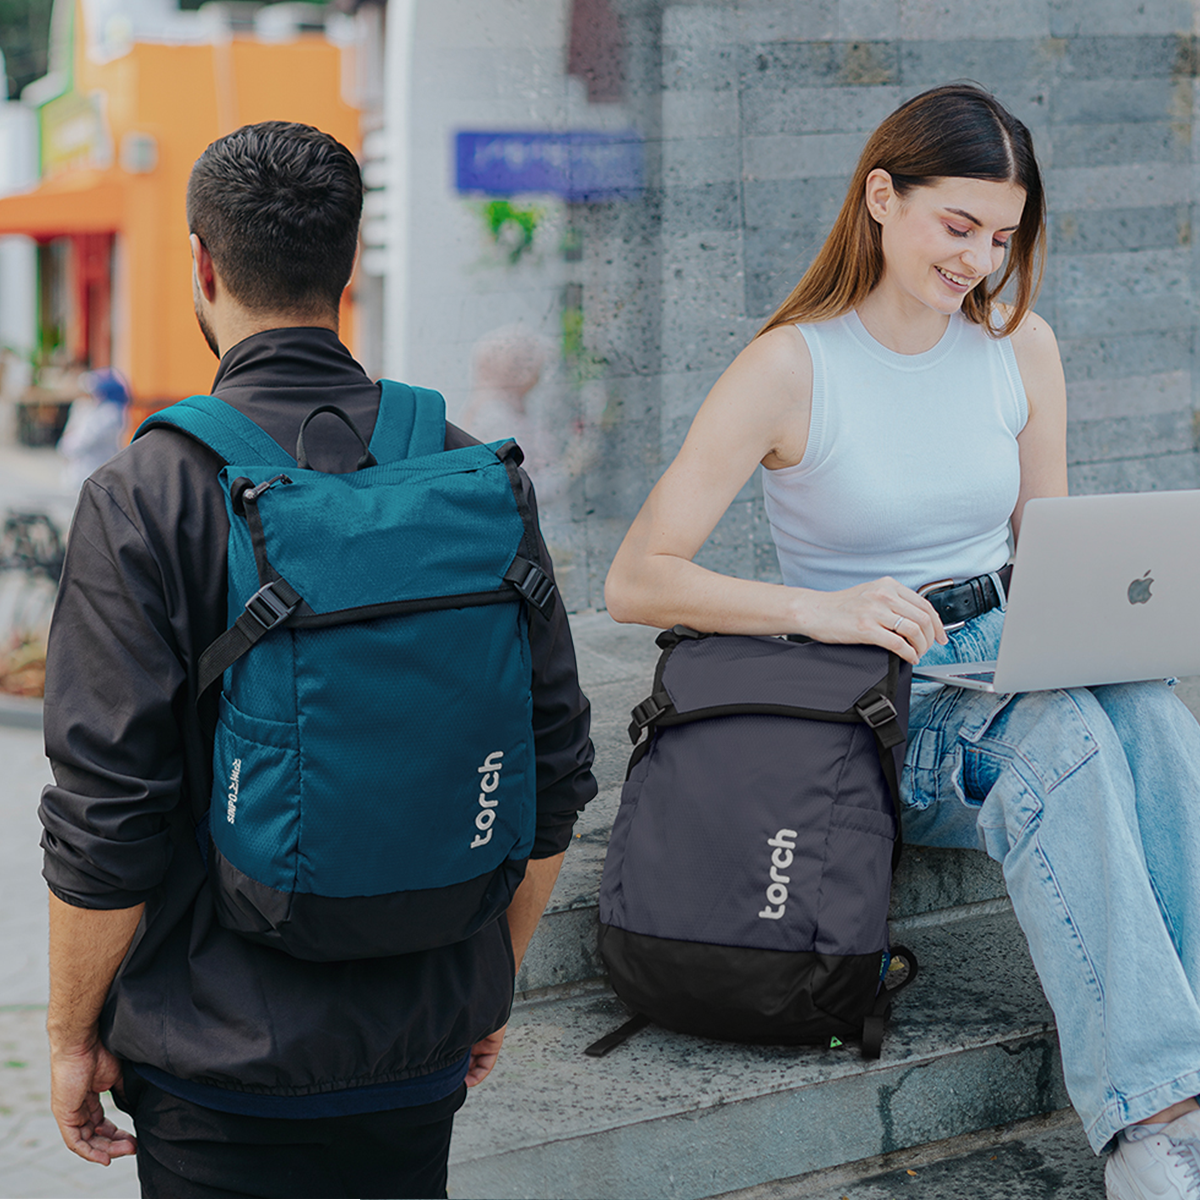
1041,1158
971,1045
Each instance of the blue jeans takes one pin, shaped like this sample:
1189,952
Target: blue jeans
1090,801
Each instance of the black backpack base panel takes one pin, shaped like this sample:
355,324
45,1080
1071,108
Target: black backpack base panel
335,928
734,993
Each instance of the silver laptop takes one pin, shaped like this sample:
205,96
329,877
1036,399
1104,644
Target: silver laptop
1104,589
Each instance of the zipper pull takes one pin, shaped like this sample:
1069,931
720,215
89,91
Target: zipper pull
251,495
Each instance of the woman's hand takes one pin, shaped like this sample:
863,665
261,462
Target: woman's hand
882,613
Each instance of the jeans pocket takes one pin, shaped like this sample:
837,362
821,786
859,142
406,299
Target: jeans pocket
952,719
1034,743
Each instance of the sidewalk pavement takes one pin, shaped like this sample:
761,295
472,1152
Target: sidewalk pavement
33,1160
31,480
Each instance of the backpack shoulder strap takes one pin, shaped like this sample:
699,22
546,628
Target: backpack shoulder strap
411,422
223,429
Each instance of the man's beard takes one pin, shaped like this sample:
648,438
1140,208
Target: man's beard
202,321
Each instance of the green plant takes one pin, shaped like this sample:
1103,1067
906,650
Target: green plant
510,227
582,364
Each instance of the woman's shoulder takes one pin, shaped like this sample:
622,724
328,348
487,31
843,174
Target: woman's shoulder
780,345
761,400
1035,348
778,361
1032,336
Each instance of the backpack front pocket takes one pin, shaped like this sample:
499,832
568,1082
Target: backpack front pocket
256,767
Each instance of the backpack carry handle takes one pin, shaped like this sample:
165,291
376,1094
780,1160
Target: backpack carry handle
366,459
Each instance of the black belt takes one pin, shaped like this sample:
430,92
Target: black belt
958,603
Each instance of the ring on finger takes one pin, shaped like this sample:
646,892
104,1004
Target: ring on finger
899,621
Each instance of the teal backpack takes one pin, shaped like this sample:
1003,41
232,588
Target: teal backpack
373,769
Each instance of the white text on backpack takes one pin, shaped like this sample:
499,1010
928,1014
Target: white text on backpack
781,858
488,784
235,776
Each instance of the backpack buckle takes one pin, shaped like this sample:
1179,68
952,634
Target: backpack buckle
533,584
649,710
877,711
647,713
268,608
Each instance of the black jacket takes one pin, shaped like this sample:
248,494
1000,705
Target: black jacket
142,595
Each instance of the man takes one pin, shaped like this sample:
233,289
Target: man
246,1071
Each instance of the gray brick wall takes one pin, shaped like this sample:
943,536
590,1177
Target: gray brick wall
755,112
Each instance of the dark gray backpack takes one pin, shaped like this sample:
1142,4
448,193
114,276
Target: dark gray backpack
745,892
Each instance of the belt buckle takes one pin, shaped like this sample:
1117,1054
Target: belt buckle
939,585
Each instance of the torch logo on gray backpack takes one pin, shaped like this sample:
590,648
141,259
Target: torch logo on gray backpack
745,892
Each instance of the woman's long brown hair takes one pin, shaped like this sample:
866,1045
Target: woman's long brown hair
958,131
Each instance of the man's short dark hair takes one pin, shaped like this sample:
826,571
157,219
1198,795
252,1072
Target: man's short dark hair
278,206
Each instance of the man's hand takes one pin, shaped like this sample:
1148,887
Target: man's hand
523,915
77,1077
86,947
483,1056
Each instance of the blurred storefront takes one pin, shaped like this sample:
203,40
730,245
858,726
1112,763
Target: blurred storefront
132,98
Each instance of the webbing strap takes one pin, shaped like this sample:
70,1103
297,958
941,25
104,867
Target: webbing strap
872,1034
878,712
889,773
411,422
223,429
620,1035
269,607
887,762
536,586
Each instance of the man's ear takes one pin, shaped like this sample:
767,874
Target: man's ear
202,265
880,194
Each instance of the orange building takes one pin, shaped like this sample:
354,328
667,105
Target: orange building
121,120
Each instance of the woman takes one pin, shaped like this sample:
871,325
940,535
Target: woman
903,417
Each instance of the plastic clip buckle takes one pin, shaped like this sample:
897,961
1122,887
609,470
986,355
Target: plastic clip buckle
879,710
267,608
647,712
535,586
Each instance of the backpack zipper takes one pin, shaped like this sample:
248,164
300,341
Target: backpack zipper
252,494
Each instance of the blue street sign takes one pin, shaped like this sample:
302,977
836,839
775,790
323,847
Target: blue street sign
575,165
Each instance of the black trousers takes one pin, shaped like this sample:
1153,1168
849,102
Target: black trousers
186,1150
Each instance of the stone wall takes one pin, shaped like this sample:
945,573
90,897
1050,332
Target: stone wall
754,113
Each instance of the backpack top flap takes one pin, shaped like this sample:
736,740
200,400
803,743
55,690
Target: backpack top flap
441,525
765,673
421,523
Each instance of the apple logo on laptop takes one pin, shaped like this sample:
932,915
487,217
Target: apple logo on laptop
1139,589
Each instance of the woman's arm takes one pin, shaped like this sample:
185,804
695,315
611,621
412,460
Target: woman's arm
1042,444
757,412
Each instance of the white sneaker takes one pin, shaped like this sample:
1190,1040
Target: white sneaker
1158,1162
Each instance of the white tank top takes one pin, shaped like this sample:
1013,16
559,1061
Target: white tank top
911,467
